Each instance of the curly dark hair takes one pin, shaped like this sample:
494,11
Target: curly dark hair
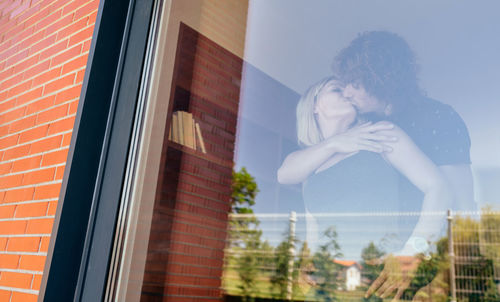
383,63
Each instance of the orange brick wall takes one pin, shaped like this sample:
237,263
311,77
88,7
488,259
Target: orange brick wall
43,53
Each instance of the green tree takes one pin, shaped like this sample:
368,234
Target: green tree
372,266
283,273
326,271
245,235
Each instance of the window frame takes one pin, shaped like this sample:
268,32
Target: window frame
82,239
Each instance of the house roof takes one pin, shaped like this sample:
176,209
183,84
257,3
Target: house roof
345,262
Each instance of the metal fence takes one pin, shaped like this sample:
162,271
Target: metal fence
288,256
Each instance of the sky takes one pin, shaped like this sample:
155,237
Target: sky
456,43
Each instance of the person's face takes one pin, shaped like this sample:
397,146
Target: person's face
331,104
362,100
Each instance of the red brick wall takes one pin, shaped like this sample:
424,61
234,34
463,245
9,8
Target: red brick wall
186,247
43,53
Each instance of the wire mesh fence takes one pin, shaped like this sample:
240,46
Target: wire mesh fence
331,256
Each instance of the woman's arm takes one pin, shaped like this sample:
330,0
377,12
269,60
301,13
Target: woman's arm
298,165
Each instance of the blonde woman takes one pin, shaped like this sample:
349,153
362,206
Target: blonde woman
350,166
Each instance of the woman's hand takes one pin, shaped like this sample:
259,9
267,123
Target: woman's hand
298,165
363,137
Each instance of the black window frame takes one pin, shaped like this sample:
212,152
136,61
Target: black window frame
81,243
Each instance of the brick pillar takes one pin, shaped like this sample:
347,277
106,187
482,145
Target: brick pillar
43,54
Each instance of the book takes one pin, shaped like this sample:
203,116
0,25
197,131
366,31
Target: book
200,137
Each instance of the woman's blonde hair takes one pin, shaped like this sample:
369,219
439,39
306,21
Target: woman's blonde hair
308,132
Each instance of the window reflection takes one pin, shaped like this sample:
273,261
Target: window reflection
292,182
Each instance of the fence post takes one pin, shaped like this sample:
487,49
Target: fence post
451,254
291,251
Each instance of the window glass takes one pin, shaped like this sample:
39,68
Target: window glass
319,151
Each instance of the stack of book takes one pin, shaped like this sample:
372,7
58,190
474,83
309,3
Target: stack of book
186,131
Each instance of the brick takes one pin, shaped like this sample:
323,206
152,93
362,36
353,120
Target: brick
5,295
52,114
61,23
75,64
52,208
39,176
62,125
26,14
22,124
16,58
86,46
73,6
37,281
31,209
53,50
6,73
25,64
9,261
40,105
50,18
9,141
80,76
33,134
3,95
7,211
26,164
19,10
3,243
13,227
11,82
59,4
44,246
18,280
59,84
38,15
47,191
20,88
72,28
8,53
29,96
11,181
45,145
87,9
16,152
5,168
44,44
81,36
19,195
26,33
66,55
93,17
47,76
32,262
24,297
73,108
12,115
6,105
66,140
37,69
40,226
34,38
68,94
54,158
23,244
